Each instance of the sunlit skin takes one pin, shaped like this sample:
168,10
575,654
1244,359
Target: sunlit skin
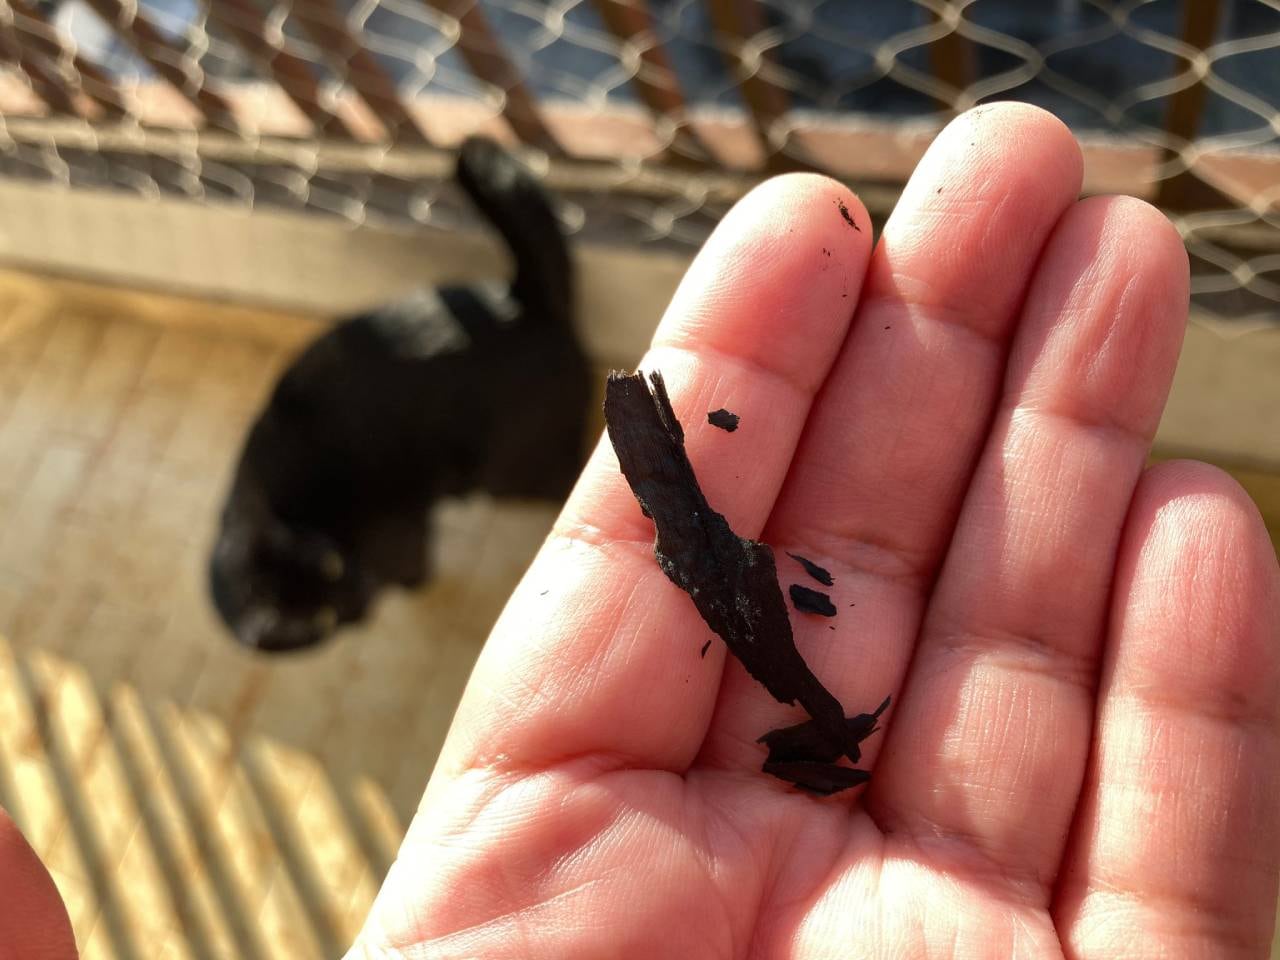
1081,755
33,922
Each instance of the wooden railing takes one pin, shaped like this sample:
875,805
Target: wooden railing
67,84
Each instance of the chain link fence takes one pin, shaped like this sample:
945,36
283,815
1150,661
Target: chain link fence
648,116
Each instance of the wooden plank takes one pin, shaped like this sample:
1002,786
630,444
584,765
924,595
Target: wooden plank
246,24
857,148
655,80
327,27
35,30
487,59
737,23
1185,190
325,267
173,63
297,260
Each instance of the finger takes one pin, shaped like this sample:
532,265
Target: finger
881,469
989,744
597,652
1176,844
33,921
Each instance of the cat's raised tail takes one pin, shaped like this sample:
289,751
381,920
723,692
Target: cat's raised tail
512,199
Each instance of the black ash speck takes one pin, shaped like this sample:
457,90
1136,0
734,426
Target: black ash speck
812,569
723,419
811,601
848,217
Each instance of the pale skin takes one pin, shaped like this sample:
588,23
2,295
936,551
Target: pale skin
1081,758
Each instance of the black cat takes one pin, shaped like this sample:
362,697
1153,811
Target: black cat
456,389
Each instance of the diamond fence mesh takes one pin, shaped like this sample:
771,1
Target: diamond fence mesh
648,116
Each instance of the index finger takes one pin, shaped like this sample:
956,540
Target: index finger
596,652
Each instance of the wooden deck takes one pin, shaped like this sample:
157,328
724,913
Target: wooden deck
193,800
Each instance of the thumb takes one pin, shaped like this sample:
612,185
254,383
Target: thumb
33,920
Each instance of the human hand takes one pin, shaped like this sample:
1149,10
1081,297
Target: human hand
33,921
1081,757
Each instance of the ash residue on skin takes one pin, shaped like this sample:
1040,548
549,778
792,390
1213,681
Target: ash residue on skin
848,217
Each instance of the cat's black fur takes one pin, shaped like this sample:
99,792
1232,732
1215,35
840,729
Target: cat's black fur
456,389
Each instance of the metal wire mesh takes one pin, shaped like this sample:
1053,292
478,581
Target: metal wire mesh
343,107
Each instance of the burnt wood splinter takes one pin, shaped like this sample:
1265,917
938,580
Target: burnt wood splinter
723,419
821,574
733,583
806,741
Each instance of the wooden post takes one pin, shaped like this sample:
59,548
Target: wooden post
47,84
176,65
1185,190
244,21
327,27
33,29
487,59
631,23
951,58
736,22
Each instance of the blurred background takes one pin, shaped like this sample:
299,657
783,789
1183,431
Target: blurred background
189,191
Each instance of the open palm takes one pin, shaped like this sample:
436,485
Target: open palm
1081,756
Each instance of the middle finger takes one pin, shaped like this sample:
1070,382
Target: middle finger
877,481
